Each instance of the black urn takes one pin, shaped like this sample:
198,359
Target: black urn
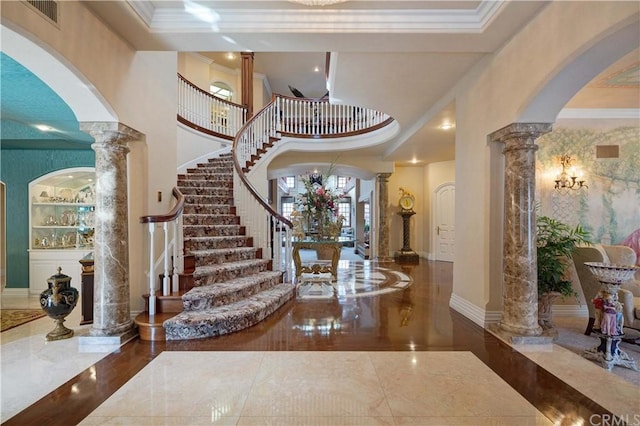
57,302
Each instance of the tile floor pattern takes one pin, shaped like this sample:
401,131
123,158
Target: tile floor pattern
432,387
316,388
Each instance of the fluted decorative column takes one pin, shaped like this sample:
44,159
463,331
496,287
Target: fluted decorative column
520,298
383,223
111,310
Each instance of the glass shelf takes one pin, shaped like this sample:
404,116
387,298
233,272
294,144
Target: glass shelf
62,213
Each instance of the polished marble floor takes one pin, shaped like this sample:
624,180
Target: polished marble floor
385,350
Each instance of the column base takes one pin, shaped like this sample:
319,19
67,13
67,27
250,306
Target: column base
407,257
516,338
88,343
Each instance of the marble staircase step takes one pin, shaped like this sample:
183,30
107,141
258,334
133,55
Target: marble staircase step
216,242
208,219
228,318
231,291
207,199
207,190
213,230
210,274
205,180
211,209
225,255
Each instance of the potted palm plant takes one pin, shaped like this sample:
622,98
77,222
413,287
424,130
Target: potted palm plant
555,242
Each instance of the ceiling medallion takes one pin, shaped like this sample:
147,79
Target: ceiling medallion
317,2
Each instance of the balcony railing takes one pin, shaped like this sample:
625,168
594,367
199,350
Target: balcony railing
204,112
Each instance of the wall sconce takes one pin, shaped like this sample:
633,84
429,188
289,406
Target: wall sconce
569,179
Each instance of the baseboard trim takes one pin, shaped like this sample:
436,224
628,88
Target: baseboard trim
576,311
484,318
480,316
19,292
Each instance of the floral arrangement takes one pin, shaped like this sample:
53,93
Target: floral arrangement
318,203
317,199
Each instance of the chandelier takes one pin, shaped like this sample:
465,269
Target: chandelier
317,2
570,179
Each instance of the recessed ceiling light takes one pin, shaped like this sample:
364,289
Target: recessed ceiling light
446,126
230,56
316,69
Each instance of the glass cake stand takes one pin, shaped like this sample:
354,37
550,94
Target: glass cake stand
609,319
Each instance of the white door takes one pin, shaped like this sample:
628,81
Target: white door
445,230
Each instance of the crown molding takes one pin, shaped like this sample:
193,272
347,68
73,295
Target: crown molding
599,113
197,18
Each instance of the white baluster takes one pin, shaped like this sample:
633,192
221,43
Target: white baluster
178,259
152,290
165,275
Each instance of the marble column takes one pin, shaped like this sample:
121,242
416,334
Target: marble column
111,309
520,297
383,223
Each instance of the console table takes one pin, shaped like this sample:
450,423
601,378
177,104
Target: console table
317,268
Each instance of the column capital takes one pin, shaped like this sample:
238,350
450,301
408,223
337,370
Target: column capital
520,131
383,176
107,132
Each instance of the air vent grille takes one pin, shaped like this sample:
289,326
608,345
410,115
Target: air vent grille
48,8
607,151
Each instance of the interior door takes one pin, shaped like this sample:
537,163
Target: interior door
445,231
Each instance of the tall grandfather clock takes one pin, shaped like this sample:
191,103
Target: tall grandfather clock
406,255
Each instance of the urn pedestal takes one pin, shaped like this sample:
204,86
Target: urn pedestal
609,322
57,302
406,255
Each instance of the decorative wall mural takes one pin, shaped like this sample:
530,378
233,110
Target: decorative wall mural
610,207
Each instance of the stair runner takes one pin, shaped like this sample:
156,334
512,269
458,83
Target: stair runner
233,287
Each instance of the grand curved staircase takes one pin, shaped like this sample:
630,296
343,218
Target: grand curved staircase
227,285
228,271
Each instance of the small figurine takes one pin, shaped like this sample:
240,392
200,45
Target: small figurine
598,304
609,324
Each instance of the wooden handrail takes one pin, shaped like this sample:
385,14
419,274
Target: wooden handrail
343,134
242,176
204,92
172,215
207,113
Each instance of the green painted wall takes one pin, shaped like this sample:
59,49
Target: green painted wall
18,168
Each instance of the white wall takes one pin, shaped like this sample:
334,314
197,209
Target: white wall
193,145
195,68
